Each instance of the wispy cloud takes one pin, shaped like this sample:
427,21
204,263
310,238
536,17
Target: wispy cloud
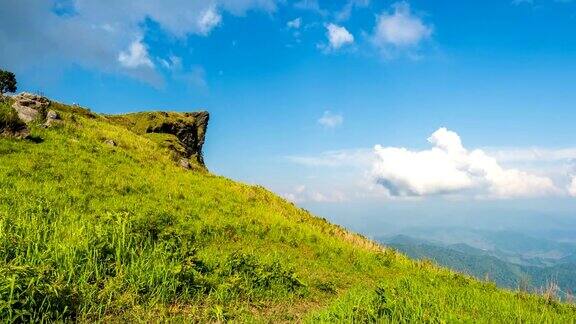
194,76
135,56
362,158
302,194
399,31
346,11
100,35
295,23
208,20
310,5
330,119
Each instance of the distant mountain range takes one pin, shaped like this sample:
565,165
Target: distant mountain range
511,260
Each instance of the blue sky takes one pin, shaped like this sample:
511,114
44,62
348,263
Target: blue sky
301,92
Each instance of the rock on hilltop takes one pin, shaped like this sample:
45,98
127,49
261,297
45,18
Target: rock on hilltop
183,134
20,111
29,106
188,132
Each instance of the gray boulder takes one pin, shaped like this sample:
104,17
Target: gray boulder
29,106
52,118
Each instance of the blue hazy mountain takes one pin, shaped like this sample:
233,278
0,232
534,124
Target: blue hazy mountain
509,259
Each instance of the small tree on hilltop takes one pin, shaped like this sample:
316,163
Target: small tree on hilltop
7,82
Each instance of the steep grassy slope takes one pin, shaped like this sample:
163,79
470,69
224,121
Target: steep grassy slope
94,231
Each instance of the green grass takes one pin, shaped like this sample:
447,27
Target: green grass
90,231
9,121
420,295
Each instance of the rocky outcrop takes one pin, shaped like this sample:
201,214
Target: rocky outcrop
190,131
27,108
30,106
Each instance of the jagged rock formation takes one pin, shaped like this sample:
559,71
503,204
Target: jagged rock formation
188,130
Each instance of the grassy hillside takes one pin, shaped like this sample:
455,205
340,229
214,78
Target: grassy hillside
93,231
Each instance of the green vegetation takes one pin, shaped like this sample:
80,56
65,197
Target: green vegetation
91,231
7,82
417,294
9,121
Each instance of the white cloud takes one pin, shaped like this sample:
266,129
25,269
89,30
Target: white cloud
92,34
535,154
399,30
572,187
178,17
136,56
194,76
209,19
296,23
361,158
310,5
338,36
502,172
449,168
346,11
330,119
173,63
301,194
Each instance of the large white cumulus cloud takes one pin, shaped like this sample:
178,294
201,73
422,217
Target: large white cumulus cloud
449,168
